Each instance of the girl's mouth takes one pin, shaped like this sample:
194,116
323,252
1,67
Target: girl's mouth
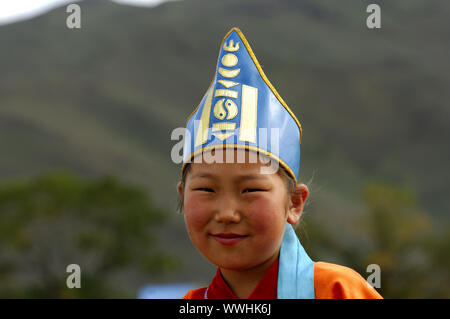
228,239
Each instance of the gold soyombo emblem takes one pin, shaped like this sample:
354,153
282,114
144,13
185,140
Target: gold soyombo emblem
226,108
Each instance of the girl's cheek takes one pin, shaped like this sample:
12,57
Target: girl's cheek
196,212
266,213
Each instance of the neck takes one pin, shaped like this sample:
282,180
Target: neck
243,282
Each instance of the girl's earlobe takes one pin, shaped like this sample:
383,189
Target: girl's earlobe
180,188
298,199
293,217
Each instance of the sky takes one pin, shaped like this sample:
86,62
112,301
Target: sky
16,10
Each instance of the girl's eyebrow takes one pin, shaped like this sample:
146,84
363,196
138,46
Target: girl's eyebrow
204,175
237,179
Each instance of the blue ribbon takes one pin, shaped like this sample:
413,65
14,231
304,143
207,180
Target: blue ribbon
296,269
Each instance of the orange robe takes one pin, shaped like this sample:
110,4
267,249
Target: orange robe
331,281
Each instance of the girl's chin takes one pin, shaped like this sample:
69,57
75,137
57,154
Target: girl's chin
240,265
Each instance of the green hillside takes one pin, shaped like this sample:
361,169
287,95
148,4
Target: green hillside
373,104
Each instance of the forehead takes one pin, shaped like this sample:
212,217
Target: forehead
232,163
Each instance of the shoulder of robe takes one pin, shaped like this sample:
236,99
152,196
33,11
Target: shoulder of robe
195,293
333,281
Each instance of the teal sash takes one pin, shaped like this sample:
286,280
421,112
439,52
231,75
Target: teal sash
296,269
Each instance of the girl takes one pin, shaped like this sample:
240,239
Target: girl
239,190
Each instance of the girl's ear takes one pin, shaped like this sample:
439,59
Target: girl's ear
180,189
296,203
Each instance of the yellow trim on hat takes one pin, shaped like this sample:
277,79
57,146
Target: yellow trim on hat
261,73
239,146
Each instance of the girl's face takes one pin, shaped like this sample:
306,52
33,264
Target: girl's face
234,214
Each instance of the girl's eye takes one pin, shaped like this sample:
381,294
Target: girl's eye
252,190
205,189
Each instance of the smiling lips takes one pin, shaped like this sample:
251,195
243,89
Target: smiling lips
228,239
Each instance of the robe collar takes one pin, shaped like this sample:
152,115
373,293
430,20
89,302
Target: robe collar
266,288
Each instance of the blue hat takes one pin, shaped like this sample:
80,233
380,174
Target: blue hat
241,109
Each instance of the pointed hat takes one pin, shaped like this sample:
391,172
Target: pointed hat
242,109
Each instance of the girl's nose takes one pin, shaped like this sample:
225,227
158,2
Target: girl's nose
227,213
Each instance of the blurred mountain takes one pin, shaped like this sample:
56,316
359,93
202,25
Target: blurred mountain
104,99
